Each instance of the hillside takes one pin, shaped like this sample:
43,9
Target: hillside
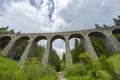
102,69
32,70
9,68
115,59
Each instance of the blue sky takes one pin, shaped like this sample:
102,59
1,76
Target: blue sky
38,16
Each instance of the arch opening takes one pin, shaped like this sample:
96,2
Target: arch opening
4,41
19,47
76,42
98,41
116,34
57,51
39,49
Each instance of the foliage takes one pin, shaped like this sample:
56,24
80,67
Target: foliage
64,57
55,60
32,70
62,66
9,70
20,49
78,49
117,36
99,46
117,21
76,70
115,61
84,58
39,51
4,30
108,66
101,69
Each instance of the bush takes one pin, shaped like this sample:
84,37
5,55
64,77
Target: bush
34,70
108,66
9,70
77,69
84,58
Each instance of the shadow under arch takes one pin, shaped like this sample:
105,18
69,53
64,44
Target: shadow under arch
57,37
76,36
100,43
4,40
116,33
18,47
99,34
39,38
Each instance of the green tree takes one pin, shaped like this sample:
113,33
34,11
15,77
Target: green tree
55,60
108,66
99,46
39,51
77,50
64,57
117,21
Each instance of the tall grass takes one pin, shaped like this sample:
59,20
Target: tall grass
32,70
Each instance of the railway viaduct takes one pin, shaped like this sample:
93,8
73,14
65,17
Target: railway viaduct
105,33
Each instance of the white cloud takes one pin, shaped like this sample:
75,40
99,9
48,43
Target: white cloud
23,17
68,15
83,14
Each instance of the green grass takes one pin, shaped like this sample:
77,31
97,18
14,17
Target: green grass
115,59
32,70
7,65
8,68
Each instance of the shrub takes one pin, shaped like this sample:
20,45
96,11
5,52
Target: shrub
34,70
77,69
9,70
108,66
84,57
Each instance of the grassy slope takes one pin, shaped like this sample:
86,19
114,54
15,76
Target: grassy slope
115,59
7,65
9,68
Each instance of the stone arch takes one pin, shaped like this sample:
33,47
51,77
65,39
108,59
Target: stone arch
99,34
57,37
23,38
18,47
4,40
116,30
77,46
39,38
76,35
37,47
100,37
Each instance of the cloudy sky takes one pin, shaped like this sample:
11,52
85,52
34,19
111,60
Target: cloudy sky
38,16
